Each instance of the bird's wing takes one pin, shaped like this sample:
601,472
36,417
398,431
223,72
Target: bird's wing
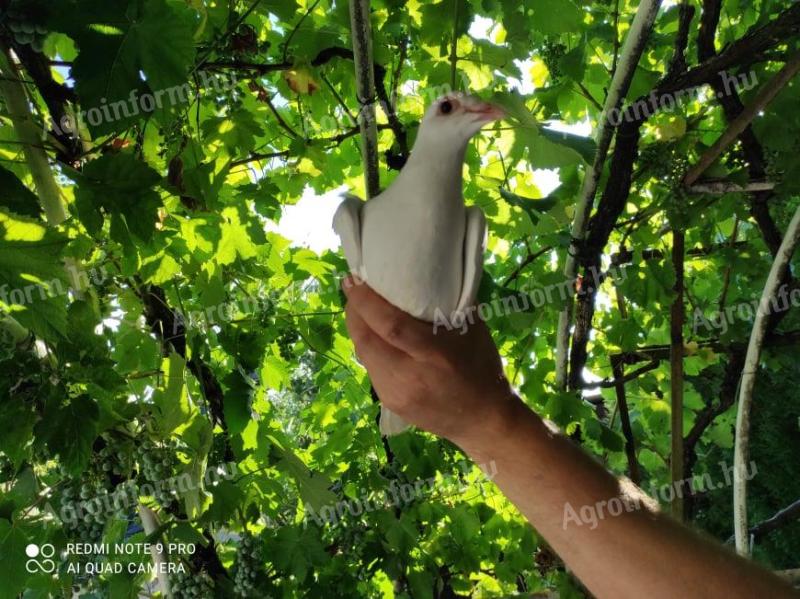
474,246
347,225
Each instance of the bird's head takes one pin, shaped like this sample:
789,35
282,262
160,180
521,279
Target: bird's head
453,119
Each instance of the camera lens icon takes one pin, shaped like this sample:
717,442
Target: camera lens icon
45,564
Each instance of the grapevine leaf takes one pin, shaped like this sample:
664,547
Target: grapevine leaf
69,431
12,567
121,186
17,198
32,275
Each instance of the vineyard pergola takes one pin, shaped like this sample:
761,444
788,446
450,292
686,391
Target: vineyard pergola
176,373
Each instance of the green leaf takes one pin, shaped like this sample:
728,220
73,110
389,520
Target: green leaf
32,275
171,400
12,567
235,242
120,186
422,584
126,54
552,17
14,439
227,498
70,430
514,105
533,207
198,436
81,322
584,146
164,42
17,198
196,500
237,403
573,63
313,487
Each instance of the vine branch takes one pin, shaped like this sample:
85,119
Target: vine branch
754,348
620,83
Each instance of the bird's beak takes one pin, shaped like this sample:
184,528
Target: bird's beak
486,112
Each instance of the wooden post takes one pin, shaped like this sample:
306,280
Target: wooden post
365,89
676,375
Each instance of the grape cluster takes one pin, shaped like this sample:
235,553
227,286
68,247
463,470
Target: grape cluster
191,585
114,462
662,162
551,54
247,567
87,506
19,23
84,586
157,466
286,341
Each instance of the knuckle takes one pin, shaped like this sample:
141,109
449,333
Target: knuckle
394,329
404,403
441,359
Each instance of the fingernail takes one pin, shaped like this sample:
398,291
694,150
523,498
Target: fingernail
347,283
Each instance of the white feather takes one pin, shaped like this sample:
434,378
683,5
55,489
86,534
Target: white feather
416,244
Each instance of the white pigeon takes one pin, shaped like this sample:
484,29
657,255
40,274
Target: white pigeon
416,244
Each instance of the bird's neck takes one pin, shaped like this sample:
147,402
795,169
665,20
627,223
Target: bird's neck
437,170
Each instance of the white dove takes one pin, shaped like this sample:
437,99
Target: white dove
416,244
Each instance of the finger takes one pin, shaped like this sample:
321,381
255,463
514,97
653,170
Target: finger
395,327
373,352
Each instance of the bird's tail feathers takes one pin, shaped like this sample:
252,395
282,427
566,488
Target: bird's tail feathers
391,424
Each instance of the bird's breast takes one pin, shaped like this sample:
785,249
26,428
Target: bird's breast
413,254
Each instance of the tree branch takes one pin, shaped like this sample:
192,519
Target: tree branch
169,326
705,417
620,83
13,92
619,181
742,445
323,57
631,376
611,205
454,46
723,187
714,69
774,522
522,265
57,98
365,90
787,514
618,369
334,141
677,316
742,122
627,256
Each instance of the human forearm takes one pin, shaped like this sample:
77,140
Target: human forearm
637,553
453,385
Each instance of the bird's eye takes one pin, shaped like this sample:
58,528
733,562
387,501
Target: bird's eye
446,107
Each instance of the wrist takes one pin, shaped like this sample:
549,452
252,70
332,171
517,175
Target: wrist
503,417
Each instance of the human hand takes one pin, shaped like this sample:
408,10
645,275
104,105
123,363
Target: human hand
448,383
